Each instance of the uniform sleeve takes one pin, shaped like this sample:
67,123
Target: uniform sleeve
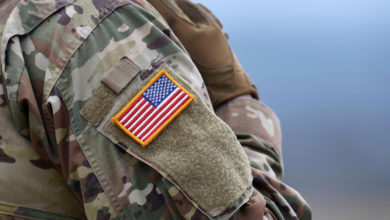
235,100
69,72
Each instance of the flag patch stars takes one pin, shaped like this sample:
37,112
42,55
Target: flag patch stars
153,108
159,90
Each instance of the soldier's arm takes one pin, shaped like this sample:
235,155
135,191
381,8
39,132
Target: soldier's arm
235,100
70,67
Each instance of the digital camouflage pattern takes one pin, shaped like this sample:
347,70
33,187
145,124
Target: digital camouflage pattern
55,54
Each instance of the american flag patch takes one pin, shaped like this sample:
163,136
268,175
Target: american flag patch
153,108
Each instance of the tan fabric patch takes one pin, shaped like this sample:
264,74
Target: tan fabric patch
122,73
198,152
101,101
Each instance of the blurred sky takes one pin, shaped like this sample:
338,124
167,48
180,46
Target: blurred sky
324,68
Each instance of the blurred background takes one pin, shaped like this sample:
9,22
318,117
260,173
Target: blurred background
324,68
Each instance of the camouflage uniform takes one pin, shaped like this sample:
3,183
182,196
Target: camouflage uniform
70,65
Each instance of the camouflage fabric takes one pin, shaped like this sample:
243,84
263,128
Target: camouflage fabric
55,55
29,186
202,35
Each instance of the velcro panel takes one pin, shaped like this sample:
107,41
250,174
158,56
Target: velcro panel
98,105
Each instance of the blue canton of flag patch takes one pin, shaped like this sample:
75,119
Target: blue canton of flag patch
160,89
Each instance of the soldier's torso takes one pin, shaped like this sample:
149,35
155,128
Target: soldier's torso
29,186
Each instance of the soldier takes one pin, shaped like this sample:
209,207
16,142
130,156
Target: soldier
110,100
